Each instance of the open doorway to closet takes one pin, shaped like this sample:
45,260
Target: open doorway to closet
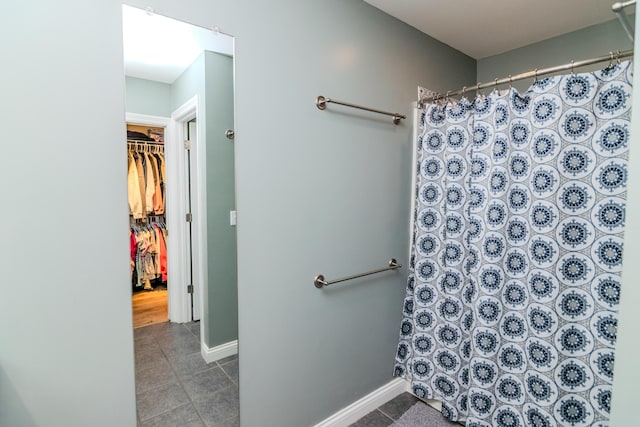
146,179
163,270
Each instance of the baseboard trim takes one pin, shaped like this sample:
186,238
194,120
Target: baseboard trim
219,352
368,403
435,404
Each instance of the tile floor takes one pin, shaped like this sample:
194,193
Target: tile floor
174,385
176,388
386,414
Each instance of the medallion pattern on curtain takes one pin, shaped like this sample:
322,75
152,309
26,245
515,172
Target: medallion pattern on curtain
510,316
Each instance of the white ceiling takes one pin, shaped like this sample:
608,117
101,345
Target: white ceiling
485,28
160,48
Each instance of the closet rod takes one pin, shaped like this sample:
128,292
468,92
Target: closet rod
145,143
148,146
612,56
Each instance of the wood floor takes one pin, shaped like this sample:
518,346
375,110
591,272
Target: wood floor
150,307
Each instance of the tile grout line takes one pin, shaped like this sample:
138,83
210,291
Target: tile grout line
225,372
193,405
177,377
385,414
193,373
179,382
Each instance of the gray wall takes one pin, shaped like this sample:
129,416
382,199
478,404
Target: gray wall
318,192
66,338
148,97
189,84
221,292
322,192
596,40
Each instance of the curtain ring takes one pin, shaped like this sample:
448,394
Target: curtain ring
479,91
496,84
510,82
610,59
446,100
572,64
464,90
618,57
535,76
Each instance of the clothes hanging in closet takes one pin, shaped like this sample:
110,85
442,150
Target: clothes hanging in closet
148,251
145,182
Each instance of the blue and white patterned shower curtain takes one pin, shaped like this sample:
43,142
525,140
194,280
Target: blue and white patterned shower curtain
511,311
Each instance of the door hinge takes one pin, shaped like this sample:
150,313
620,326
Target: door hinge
189,289
189,217
187,144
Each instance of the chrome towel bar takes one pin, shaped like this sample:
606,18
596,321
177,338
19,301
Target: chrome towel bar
321,103
319,281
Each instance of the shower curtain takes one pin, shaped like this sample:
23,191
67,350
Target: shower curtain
511,310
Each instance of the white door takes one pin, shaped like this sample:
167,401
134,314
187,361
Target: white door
194,289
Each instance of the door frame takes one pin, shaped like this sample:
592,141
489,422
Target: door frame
190,110
179,306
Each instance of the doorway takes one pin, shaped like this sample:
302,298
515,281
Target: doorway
164,271
146,179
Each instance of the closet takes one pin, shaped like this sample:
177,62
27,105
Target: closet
146,189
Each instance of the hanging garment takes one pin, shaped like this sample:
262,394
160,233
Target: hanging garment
146,173
511,310
158,209
142,183
149,253
150,185
162,252
133,189
163,176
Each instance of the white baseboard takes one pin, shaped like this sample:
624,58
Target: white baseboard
219,352
435,404
368,403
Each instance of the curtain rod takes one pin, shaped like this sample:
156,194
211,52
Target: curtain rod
618,9
531,74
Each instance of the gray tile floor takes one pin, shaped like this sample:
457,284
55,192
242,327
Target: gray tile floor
388,413
174,385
